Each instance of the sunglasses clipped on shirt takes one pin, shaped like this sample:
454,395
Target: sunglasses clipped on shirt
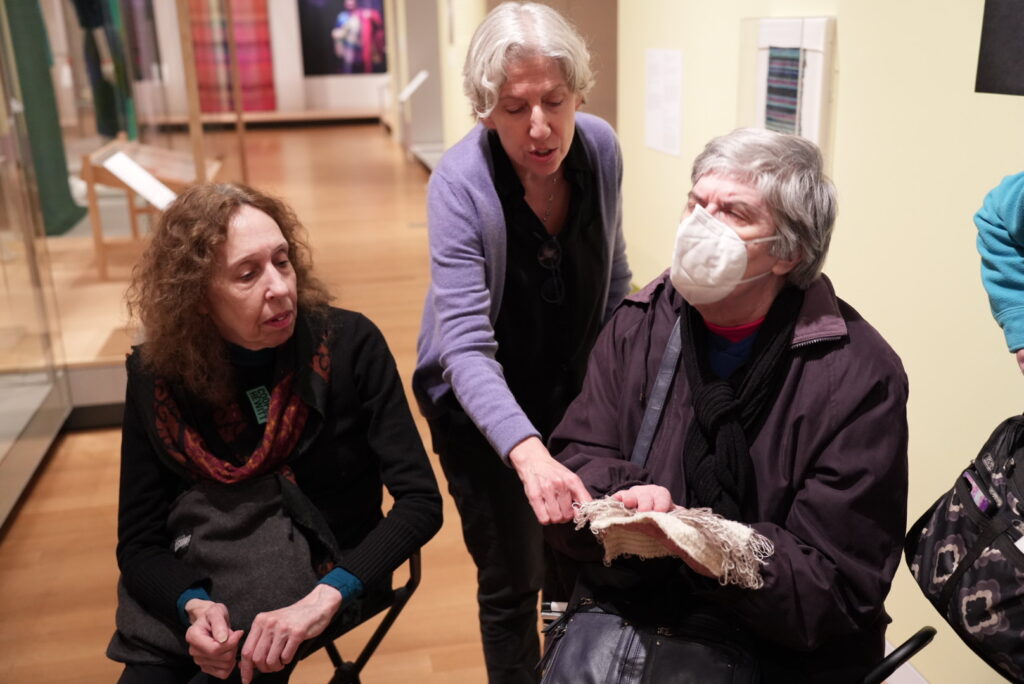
549,256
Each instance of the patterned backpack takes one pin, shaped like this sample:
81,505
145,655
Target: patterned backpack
967,552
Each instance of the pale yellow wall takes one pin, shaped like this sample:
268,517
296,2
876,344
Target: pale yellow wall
457,19
915,150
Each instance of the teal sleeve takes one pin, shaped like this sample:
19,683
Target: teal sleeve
348,584
1000,223
188,595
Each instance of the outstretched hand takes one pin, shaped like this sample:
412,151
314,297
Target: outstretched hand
644,498
212,643
276,635
550,487
647,498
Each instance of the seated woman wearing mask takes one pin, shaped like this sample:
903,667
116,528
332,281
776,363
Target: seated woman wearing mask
786,412
260,424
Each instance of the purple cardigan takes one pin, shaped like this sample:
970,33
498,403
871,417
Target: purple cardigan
456,346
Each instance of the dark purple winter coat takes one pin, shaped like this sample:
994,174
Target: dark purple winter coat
830,464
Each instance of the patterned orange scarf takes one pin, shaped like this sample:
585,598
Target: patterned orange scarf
286,419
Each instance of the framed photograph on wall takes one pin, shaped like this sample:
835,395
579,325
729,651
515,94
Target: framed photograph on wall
342,37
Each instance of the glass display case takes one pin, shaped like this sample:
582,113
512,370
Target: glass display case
34,390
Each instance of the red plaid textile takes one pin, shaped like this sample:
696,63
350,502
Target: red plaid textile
255,62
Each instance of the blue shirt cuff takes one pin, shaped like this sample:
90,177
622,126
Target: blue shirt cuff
348,584
186,596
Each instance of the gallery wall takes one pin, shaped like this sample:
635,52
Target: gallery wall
914,150
457,19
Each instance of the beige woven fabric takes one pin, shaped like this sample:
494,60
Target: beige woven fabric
729,551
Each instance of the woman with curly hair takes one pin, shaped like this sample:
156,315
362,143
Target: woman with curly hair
260,425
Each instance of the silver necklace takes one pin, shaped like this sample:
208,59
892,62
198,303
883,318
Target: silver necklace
551,202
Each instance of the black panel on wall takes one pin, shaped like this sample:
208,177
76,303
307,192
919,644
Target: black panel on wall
1001,58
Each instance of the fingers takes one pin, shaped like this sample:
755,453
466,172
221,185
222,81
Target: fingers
219,627
269,647
268,657
661,500
644,498
560,504
210,634
245,669
579,491
626,497
252,650
550,487
219,658
551,494
220,672
290,648
538,500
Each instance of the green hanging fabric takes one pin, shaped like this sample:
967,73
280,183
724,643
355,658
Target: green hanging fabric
32,59
116,41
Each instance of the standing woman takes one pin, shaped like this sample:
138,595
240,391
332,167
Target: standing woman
527,262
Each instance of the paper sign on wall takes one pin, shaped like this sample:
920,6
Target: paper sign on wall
663,100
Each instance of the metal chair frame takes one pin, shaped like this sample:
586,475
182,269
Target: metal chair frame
347,672
900,655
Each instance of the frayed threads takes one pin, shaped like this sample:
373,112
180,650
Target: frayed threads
730,551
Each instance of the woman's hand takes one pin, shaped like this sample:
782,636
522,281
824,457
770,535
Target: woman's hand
275,636
647,498
550,487
211,642
644,498
1020,359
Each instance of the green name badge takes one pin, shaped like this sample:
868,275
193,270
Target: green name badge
259,397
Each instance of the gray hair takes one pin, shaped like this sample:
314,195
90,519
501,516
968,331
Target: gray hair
787,170
514,31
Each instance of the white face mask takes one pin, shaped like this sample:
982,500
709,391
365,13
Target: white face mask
710,258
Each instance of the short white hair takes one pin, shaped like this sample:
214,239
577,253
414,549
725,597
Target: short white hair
516,30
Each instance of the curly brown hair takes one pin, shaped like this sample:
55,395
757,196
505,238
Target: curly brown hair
169,284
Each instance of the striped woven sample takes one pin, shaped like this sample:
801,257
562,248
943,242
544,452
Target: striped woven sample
782,109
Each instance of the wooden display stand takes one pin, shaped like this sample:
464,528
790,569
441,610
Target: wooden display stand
174,169
177,170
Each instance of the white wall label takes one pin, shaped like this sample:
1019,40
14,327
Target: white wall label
663,105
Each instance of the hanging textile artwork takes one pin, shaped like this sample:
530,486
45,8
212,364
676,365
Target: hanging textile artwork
213,65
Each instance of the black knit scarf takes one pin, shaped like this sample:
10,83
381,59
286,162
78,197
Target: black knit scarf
729,413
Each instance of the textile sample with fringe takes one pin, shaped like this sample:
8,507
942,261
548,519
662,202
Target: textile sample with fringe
729,551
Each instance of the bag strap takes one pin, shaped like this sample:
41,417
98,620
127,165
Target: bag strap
652,414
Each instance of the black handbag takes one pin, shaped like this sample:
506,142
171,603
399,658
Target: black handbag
966,552
592,644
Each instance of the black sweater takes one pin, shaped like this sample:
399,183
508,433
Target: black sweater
360,436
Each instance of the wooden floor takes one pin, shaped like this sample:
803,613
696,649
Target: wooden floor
364,205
